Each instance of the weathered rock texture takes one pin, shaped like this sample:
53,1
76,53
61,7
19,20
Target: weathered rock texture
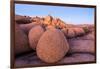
79,45
34,35
81,40
52,46
21,41
32,59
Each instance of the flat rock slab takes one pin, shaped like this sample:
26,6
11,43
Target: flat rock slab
32,60
84,43
82,46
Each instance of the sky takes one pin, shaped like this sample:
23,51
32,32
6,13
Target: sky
74,15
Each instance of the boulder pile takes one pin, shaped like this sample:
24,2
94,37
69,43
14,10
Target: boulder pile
53,41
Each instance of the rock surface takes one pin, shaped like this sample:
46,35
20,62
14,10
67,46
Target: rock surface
34,35
81,40
21,41
52,46
22,19
26,27
79,45
32,59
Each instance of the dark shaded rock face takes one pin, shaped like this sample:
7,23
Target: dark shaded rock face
22,19
21,41
26,27
80,38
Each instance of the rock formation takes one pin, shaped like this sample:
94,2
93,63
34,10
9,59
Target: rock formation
52,46
80,38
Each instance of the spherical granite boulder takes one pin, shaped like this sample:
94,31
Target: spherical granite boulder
34,35
52,46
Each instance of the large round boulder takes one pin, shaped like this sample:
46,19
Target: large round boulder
52,46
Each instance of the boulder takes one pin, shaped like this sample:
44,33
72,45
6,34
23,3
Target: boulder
52,46
21,41
34,35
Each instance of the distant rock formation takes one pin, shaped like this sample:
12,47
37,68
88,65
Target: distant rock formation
69,30
22,19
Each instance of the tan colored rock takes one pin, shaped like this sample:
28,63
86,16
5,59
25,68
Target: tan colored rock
58,25
37,20
88,27
54,22
21,41
73,32
62,25
69,32
52,46
48,20
50,27
78,31
65,31
34,35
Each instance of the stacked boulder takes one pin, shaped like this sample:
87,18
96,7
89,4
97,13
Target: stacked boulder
51,38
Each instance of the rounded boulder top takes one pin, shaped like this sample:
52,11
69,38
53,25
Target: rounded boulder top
34,35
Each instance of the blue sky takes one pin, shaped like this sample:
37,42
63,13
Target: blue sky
75,15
